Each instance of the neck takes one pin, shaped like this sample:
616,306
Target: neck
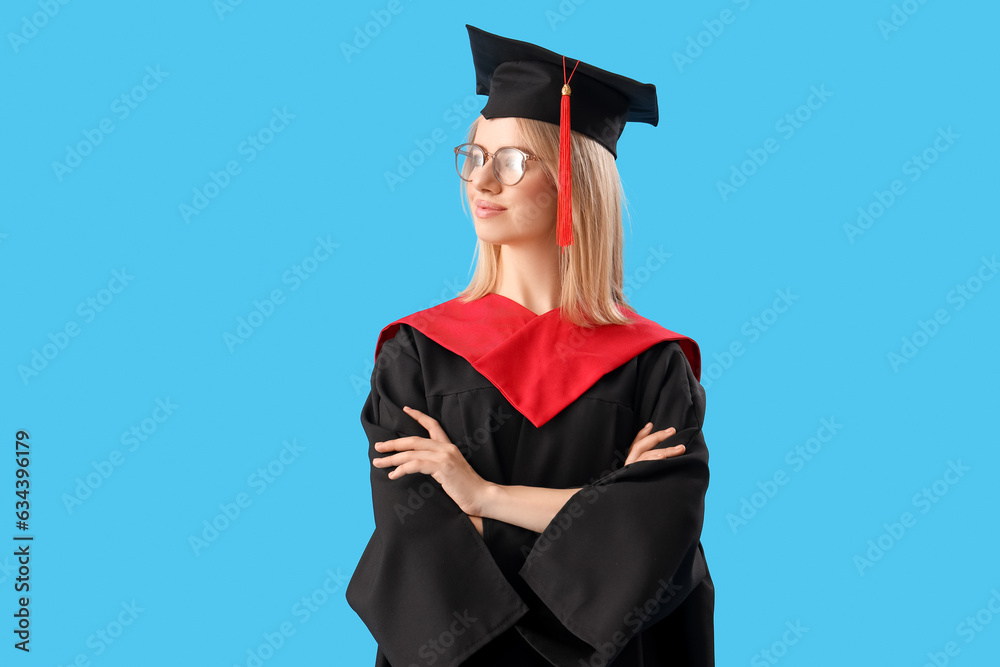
530,276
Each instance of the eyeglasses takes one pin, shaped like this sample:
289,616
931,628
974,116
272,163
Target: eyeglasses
508,162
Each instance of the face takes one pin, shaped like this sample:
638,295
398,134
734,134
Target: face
519,214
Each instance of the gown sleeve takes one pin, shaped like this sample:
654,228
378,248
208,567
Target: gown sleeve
426,586
624,551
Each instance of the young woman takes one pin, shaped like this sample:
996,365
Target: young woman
538,466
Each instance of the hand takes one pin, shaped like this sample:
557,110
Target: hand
642,447
438,457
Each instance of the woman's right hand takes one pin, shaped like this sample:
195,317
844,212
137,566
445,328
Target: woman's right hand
642,446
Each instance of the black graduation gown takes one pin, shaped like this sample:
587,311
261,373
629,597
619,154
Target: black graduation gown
618,577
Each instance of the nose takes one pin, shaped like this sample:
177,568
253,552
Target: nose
484,179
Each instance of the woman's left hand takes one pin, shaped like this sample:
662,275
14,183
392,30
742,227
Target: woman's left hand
642,448
438,457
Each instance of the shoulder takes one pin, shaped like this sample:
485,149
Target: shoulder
396,339
414,335
405,329
644,324
665,374
665,355
397,334
667,346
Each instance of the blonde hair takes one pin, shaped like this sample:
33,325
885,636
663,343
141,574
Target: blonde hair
591,270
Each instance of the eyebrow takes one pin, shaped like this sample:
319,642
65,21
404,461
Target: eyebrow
520,148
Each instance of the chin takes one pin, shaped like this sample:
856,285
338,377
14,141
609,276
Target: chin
490,233
492,237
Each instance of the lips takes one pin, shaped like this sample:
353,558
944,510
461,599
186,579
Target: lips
485,209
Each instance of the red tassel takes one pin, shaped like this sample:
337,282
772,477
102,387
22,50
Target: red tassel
564,208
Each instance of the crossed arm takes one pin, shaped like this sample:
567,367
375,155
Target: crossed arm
529,507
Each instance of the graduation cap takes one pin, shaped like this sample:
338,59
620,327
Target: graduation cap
526,81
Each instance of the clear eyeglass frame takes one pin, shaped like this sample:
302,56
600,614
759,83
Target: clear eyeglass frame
499,165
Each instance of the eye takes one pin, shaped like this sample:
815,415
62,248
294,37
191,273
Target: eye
467,158
510,159
510,165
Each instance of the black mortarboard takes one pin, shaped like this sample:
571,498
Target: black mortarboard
527,81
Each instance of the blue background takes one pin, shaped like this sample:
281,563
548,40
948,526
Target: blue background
334,112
